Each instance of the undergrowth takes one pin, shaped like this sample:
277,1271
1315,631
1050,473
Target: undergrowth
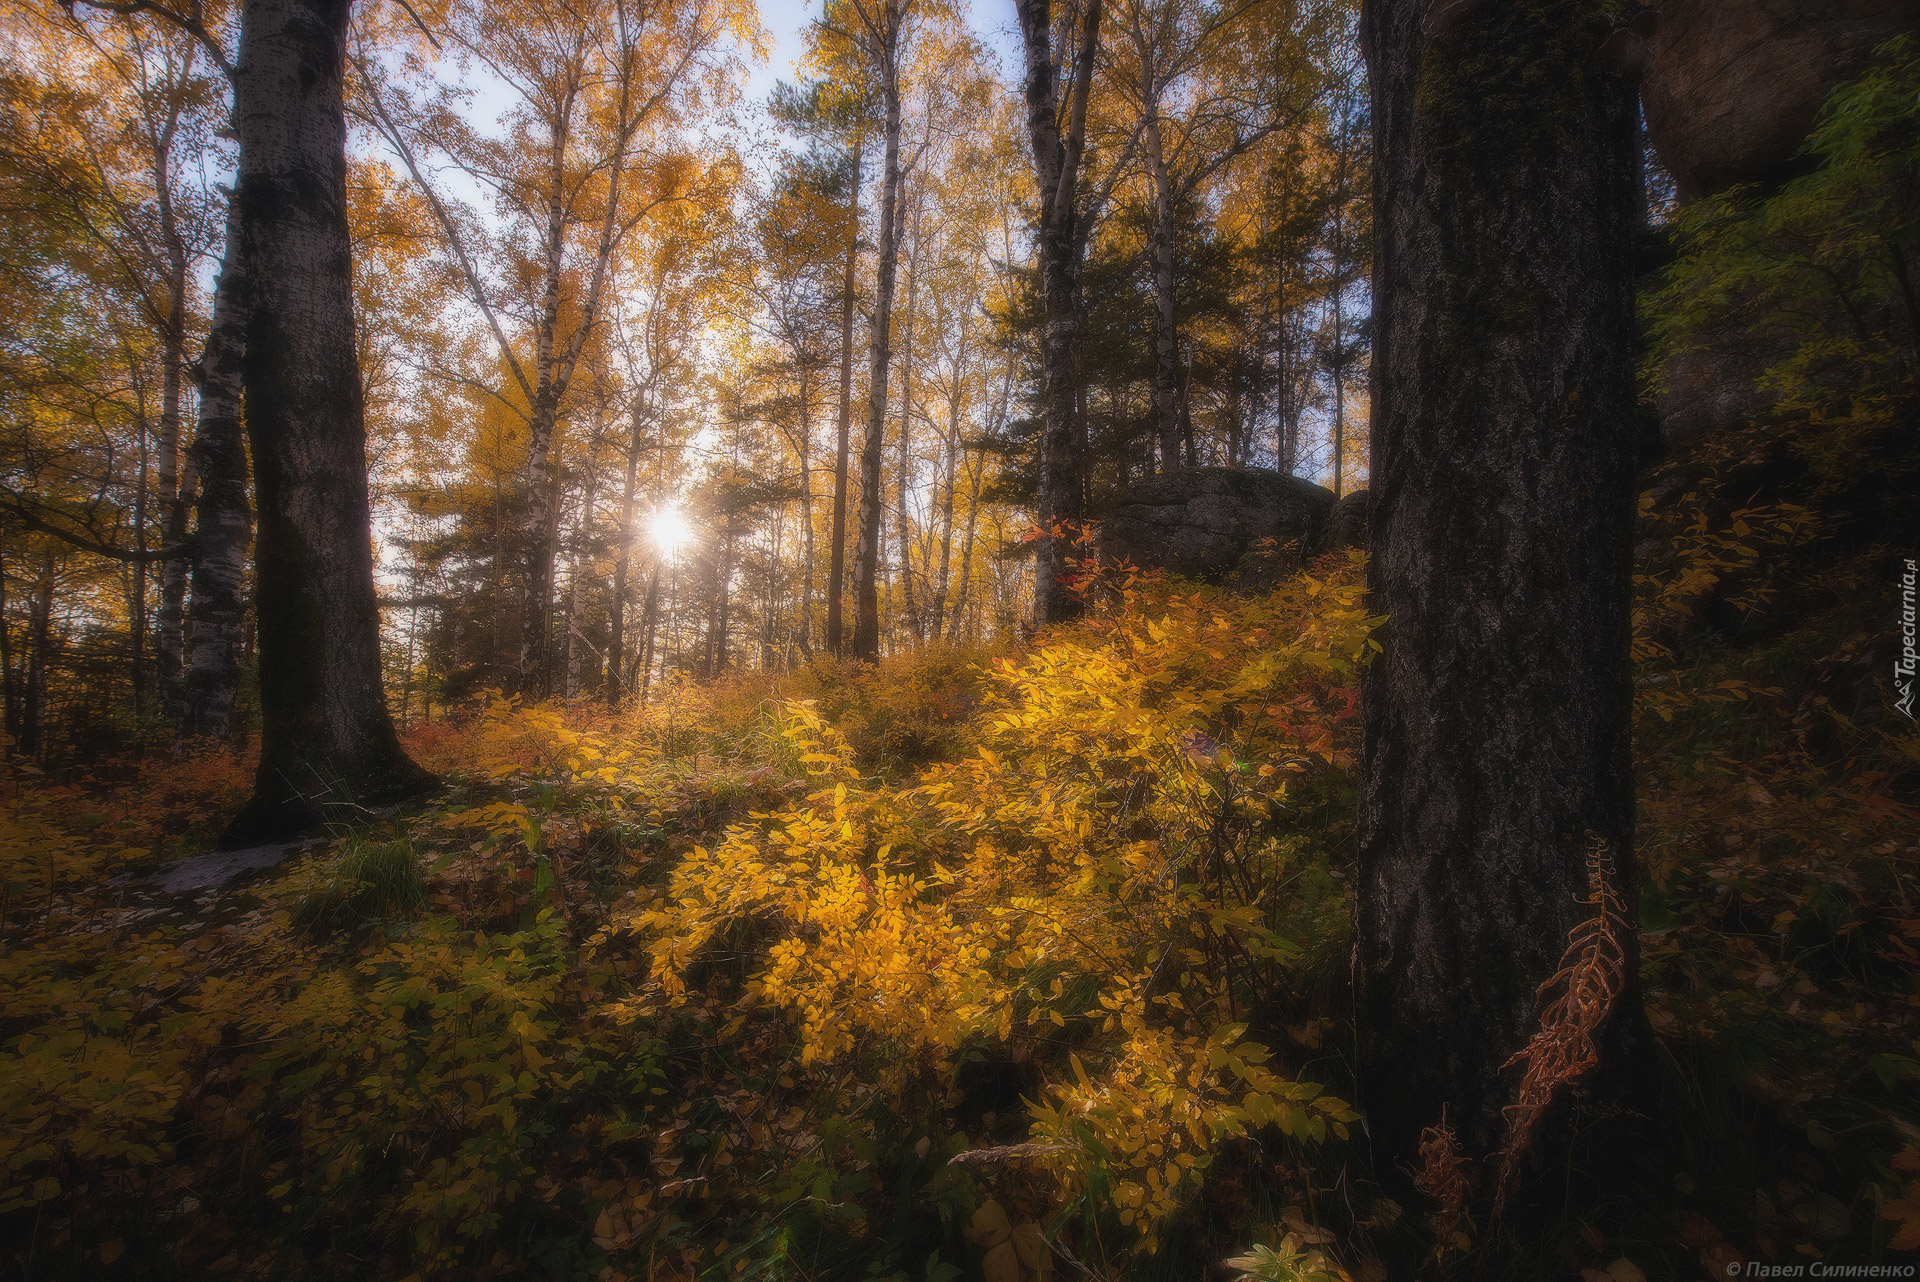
827,977
724,986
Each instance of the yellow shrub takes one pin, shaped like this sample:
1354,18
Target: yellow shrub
1091,875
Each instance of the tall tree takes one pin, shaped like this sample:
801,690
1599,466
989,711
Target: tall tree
327,739
835,112
843,418
878,28
1057,130
1496,775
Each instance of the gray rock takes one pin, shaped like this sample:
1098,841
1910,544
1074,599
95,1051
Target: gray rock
1202,523
214,871
1732,87
1348,528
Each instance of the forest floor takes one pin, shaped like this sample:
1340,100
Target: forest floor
721,988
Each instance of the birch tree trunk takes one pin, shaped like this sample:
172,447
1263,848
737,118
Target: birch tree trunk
948,479
137,585
1056,160
175,483
216,614
905,527
805,633
328,744
1496,734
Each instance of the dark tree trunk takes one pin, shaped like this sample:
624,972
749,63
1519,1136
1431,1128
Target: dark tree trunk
1056,166
1166,332
176,491
137,588
583,536
722,584
11,721
216,614
649,624
837,555
33,720
543,524
176,483
1496,721
866,556
623,558
327,742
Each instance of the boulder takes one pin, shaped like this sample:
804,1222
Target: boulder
1203,522
1731,88
1348,528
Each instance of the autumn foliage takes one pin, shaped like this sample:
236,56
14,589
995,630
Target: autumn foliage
686,985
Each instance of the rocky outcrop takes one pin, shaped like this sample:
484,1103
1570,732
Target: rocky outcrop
1206,522
1731,88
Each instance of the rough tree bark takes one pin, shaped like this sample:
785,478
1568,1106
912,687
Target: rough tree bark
837,555
327,744
216,613
884,36
1058,147
1496,721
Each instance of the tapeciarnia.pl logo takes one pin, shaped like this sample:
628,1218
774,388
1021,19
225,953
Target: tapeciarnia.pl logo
1903,667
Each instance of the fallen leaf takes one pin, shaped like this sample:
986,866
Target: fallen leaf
989,1226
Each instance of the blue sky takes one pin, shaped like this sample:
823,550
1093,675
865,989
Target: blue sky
786,22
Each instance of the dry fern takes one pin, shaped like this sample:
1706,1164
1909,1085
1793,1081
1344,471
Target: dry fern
1591,976
1443,1178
